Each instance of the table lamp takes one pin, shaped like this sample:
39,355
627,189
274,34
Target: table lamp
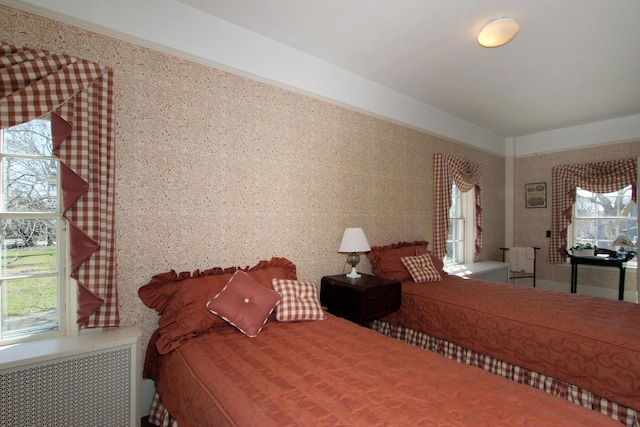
354,241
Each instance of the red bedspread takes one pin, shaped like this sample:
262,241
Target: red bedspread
591,342
335,373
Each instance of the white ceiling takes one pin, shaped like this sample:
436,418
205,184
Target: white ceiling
573,62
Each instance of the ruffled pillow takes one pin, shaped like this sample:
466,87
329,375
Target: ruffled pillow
385,260
244,303
421,268
299,301
181,299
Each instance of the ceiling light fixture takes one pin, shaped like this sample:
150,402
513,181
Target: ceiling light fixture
498,32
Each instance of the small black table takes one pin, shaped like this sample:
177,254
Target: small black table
599,261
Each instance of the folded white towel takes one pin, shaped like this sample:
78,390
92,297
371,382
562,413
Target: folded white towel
521,259
531,256
517,259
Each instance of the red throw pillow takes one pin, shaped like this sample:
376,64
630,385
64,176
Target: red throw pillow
244,303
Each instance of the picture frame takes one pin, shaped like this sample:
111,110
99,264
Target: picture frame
536,195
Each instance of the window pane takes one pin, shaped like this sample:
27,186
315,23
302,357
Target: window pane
29,185
454,252
29,305
630,228
456,229
626,207
606,231
32,137
585,231
585,207
28,247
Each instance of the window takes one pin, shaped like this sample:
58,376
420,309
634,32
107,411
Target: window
31,265
600,217
460,239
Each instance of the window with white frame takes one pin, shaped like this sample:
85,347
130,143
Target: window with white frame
460,239
32,263
598,218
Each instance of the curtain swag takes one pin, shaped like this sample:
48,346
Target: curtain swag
467,175
79,96
602,177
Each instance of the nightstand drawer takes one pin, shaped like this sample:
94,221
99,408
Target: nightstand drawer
360,300
381,293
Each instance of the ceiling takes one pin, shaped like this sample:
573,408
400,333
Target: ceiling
573,62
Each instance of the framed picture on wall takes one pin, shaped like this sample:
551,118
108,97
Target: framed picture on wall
536,195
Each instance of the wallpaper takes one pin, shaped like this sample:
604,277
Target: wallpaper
214,169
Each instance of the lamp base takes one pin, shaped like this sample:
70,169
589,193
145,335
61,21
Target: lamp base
354,274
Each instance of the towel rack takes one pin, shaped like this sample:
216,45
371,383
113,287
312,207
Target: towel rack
519,275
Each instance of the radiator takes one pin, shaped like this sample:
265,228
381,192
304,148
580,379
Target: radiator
92,381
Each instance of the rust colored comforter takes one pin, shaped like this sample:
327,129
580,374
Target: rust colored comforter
590,342
335,373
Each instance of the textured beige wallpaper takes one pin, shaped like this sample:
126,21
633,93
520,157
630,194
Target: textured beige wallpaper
531,224
217,170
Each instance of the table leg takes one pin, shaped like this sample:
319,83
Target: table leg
621,285
574,278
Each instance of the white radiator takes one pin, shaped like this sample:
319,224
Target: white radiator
81,381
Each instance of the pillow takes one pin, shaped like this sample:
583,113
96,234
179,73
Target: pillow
181,299
244,303
385,260
421,268
299,301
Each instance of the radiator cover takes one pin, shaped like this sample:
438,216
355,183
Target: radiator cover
87,388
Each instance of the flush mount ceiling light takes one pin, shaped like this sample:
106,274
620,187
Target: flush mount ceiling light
498,32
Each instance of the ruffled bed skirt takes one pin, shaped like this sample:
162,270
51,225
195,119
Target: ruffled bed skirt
159,415
558,388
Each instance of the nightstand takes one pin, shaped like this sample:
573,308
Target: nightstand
360,300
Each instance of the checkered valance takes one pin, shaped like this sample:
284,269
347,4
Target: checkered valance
448,169
79,95
602,177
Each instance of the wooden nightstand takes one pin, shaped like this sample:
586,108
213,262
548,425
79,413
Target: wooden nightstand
360,300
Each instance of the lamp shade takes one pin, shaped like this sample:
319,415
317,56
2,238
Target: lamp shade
498,32
354,240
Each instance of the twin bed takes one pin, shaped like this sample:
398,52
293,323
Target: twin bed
581,348
305,367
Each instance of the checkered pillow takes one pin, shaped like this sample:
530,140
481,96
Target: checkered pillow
421,268
299,301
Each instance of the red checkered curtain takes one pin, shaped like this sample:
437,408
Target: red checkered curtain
448,169
602,177
79,95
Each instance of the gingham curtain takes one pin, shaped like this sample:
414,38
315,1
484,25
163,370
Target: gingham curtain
78,94
602,177
448,169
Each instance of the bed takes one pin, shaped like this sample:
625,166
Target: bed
301,366
582,348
